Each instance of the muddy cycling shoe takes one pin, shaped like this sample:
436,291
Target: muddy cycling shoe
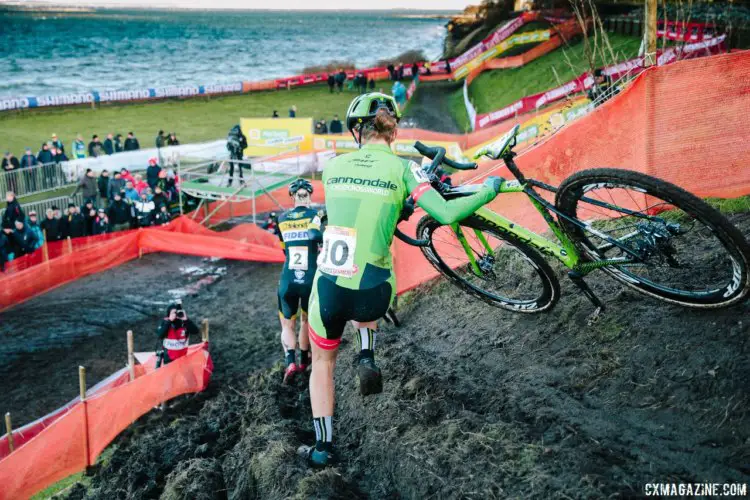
302,368
289,374
317,459
370,379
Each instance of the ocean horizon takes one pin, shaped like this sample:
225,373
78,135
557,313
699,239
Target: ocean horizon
45,52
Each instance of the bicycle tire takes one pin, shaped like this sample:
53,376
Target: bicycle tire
575,187
550,286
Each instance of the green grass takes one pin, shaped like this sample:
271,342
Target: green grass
194,120
739,205
496,89
80,477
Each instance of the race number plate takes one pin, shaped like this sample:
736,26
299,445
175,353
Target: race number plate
298,258
337,256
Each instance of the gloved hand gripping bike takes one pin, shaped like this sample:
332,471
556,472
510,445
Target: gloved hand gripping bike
645,232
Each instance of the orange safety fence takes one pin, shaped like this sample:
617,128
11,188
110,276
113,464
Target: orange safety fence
181,236
685,123
30,430
73,440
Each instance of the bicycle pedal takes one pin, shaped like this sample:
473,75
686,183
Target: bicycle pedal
594,317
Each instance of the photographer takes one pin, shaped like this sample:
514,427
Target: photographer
174,332
236,144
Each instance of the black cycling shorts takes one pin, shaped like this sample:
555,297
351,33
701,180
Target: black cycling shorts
292,297
335,305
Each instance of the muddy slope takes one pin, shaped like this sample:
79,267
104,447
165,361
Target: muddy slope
478,403
429,107
84,323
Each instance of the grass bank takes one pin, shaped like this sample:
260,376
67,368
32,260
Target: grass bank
496,89
194,120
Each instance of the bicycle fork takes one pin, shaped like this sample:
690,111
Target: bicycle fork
577,279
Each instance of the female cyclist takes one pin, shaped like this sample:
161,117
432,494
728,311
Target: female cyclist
365,192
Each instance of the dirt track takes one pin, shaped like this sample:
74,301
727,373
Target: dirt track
478,403
429,107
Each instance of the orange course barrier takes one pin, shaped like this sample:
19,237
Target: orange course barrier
684,123
181,236
73,441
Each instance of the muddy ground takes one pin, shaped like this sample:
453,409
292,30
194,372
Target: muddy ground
84,323
430,107
478,402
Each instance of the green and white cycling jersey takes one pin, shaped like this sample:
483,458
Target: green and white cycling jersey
365,192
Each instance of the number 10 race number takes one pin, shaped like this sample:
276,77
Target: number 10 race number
337,256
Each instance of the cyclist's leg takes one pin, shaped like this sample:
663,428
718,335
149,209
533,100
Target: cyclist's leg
326,325
304,339
288,305
370,304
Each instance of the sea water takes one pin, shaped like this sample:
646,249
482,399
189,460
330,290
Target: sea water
43,53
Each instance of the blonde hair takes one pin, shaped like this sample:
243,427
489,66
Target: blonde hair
382,127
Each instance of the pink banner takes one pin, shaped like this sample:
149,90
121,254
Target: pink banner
584,81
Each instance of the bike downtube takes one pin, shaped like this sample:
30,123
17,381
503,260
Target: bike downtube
467,249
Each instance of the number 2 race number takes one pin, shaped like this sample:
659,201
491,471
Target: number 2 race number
298,258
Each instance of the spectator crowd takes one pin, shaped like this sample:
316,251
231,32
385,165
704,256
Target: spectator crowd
111,203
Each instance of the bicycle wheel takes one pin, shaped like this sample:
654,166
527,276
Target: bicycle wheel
510,274
687,252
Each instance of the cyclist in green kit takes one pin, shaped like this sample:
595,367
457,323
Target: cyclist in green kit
365,193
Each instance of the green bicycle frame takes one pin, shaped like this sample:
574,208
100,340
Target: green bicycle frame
565,253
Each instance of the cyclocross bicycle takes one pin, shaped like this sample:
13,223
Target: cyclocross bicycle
645,232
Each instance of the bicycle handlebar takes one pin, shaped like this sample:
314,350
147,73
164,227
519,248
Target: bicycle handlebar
439,152
436,175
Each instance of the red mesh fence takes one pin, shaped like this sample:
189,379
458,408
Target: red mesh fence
685,123
98,254
74,438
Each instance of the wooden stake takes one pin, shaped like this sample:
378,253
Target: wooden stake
650,33
131,356
82,387
45,250
204,330
9,431
82,382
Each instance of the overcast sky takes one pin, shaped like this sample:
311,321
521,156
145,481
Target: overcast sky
277,4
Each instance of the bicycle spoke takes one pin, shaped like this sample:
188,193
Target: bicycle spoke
676,250
508,275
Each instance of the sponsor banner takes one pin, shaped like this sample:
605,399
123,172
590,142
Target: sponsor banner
402,147
545,123
491,41
499,48
95,97
690,50
269,136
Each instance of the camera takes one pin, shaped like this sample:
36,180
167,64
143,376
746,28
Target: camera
180,314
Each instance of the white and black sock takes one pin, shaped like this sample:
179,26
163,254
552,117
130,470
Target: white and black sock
366,340
323,433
